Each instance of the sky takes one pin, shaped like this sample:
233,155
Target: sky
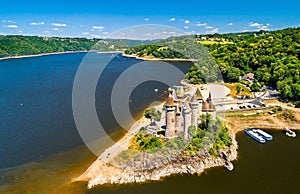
101,19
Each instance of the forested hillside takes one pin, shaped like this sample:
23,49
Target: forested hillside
274,57
16,45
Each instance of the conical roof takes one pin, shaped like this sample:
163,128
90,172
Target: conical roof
170,101
205,106
194,99
211,106
198,94
175,98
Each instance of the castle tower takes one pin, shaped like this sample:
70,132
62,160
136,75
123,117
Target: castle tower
170,108
195,110
200,100
209,108
186,119
178,119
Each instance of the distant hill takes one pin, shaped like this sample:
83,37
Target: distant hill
17,45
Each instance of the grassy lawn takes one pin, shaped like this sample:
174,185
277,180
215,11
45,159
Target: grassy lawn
244,91
210,42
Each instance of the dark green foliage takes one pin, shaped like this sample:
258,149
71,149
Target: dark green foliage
195,76
152,114
144,141
274,58
16,45
255,87
156,51
297,104
209,134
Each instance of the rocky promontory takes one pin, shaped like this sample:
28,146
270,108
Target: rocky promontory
143,167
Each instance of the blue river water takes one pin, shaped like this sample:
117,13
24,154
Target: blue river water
41,150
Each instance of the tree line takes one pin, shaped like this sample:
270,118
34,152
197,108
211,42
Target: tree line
273,57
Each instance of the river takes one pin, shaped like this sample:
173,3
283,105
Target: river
41,150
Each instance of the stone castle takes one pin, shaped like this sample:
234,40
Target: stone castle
183,110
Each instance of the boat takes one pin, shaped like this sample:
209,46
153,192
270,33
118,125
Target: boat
229,165
289,132
255,136
263,134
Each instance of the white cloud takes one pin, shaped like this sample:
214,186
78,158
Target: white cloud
172,19
98,27
209,27
266,28
146,19
230,24
213,31
255,24
59,25
37,23
200,24
9,21
85,33
55,29
11,26
186,27
260,26
105,33
187,21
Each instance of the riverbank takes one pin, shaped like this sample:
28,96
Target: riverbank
110,52
144,168
147,167
147,58
44,54
100,172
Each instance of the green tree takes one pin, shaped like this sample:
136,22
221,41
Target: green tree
152,114
255,87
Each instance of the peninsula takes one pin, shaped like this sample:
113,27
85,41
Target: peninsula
186,137
195,128
188,133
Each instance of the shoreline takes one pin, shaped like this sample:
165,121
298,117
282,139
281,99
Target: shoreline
44,54
109,52
101,172
157,59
